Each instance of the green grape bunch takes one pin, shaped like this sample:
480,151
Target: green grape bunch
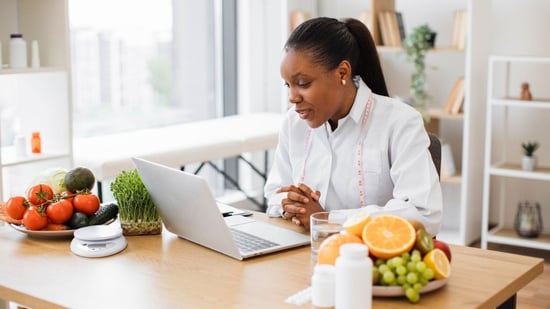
407,271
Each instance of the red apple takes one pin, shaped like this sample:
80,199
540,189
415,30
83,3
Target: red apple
444,247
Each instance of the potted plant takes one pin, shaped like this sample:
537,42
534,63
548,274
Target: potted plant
137,213
529,160
415,45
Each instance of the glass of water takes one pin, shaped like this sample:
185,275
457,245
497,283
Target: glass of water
322,225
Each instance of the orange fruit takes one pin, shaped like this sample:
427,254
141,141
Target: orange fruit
437,260
330,247
388,236
355,223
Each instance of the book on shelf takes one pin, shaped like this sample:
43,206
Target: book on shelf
389,28
460,22
455,100
400,26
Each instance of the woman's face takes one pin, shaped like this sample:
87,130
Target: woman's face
317,93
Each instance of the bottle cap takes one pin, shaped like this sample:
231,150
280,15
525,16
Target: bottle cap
354,250
324,270
16,35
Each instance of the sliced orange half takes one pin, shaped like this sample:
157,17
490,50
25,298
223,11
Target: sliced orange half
387,236
355,223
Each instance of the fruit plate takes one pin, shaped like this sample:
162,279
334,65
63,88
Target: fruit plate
394,291
43,234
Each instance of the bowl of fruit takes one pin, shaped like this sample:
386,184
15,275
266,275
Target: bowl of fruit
407,260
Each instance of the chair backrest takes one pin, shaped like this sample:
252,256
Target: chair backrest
435,151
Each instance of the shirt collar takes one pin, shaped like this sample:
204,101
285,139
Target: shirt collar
358,107
360,102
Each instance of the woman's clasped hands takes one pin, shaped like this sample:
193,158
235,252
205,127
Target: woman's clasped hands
301,201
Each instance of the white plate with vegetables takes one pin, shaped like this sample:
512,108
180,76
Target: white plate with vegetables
44,233
105,215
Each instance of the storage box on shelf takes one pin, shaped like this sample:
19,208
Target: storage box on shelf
34,99
510,122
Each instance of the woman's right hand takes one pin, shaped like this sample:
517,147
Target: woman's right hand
300,203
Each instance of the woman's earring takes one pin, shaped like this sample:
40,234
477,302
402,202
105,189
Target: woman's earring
343,82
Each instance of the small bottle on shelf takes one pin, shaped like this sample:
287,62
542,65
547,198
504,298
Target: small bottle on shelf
36,142
35,54
18,51
20,144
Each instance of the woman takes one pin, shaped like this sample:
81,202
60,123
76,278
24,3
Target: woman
345,144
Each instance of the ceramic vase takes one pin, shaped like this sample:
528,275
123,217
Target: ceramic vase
529,163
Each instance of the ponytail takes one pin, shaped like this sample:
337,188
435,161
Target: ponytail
368,65
330,41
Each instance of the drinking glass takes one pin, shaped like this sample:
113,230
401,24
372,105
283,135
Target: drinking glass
322,225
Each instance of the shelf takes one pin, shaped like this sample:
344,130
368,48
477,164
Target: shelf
7,71
516,102
511,125
508,236
519,59
9,158
514,170
453,180
437,49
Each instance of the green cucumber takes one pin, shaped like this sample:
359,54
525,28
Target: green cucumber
78,220
104,214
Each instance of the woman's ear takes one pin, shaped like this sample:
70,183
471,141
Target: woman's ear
344,70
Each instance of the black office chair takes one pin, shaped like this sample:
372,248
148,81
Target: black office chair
435,151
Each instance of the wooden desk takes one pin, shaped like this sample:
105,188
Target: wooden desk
165,271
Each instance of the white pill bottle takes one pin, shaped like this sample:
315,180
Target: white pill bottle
18,51
353,278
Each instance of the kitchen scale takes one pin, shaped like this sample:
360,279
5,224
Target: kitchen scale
98,241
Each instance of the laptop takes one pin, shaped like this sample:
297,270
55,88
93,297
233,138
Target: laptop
188,209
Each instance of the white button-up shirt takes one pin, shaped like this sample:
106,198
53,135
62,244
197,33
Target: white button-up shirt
398,172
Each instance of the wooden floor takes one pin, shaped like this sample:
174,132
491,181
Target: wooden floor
536,295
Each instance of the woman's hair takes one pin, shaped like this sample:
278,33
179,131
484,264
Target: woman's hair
329,41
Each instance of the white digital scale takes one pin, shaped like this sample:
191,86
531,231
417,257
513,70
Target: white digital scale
98,241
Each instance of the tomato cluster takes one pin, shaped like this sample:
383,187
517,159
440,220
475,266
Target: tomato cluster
42,207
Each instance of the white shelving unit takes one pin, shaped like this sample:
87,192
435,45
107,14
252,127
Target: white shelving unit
510,122
35,99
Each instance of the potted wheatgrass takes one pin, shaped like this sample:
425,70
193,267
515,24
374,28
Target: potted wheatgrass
137,213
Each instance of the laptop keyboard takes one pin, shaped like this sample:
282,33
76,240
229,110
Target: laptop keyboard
249,243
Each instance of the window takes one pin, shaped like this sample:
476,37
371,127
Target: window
140,64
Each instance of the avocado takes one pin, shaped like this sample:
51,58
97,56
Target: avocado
79,179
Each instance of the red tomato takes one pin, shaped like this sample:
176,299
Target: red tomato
39,194
60,211
86,203
15,207
35,218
